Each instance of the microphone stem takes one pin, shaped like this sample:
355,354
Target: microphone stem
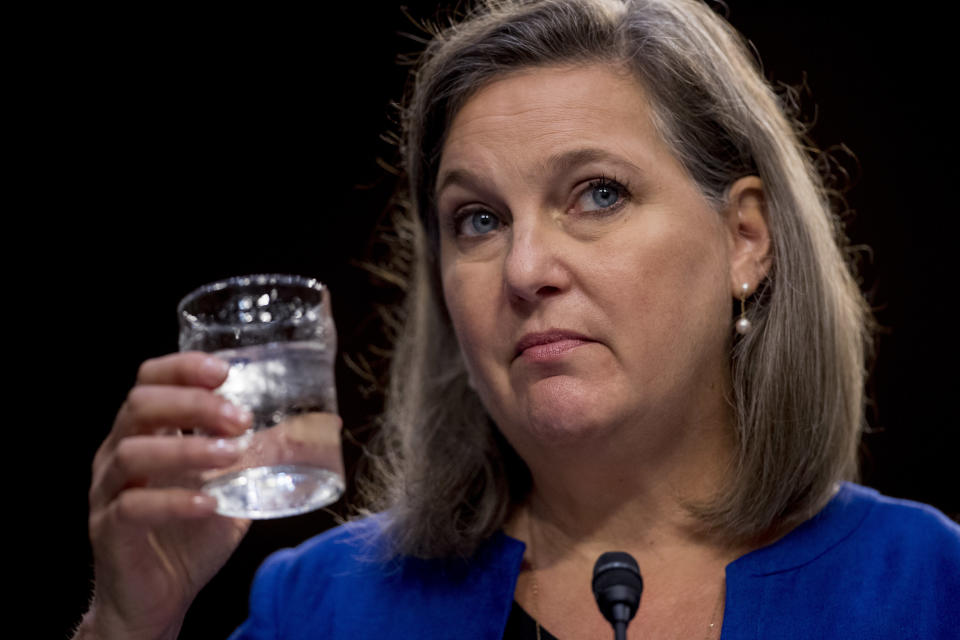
620,630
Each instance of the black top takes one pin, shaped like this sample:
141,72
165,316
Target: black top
521,626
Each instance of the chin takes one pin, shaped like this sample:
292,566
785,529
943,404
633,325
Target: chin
563,410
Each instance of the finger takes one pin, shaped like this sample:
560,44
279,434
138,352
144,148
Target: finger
151,408
312,436
191,368
307,439
138,459
152,507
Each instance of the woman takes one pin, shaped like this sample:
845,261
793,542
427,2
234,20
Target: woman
602,192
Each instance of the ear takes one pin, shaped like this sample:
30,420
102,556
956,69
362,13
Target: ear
746,220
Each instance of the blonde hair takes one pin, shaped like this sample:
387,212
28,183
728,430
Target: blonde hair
447,476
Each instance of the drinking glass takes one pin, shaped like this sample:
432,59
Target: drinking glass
277,333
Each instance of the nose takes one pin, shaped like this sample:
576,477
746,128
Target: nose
534,267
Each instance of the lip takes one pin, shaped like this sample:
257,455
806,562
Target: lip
550,344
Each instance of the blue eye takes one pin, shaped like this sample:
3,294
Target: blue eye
605,195
601,195
477,223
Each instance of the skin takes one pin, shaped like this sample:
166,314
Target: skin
156,543
562,208
617,431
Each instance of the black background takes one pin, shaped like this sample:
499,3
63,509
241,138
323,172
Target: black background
168,146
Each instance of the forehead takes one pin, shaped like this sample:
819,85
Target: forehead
545,109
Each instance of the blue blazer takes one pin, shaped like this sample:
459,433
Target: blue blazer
866,566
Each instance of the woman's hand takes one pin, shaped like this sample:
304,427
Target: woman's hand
156,543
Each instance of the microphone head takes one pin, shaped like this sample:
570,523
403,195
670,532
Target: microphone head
617,586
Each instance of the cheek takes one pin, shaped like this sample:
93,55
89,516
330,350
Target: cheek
469,291
674,285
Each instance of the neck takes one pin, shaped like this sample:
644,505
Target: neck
627,490
629,493
568,524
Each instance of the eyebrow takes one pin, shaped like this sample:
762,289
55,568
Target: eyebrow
557,163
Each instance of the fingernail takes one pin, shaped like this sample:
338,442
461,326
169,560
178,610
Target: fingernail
226,446
204,503
216,367
240,415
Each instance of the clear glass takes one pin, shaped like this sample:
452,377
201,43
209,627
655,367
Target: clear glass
277,333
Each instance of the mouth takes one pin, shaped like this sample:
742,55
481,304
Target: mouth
548,345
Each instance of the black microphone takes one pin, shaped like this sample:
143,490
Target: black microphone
617,586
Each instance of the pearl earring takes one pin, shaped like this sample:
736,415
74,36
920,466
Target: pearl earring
743,325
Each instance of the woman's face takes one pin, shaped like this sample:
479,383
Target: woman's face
587,278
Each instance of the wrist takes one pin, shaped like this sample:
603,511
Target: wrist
99,625
84,630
